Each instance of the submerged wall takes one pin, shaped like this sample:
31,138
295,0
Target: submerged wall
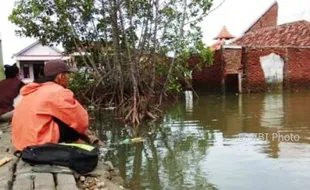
282,67
209,78
262,69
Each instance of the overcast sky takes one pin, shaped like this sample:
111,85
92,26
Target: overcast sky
236,15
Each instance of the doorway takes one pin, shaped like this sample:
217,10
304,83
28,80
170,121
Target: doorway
273,68
232,84
38,70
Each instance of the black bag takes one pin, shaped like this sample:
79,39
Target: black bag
81,158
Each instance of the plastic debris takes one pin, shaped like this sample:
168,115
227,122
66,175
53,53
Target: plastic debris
5,160
91,107
133,140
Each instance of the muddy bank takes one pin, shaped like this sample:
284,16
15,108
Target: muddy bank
104,177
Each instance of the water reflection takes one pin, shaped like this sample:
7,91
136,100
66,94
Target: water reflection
202,148
188,101
273,111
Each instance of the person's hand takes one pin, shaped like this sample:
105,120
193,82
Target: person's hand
89,132
94,140
99,143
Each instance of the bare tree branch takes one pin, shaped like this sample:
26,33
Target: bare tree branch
206,14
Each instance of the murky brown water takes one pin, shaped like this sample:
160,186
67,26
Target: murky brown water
257,141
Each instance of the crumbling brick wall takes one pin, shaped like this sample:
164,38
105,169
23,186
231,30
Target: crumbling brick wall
209,77
298,68
254,80
266,20
232,60
296,74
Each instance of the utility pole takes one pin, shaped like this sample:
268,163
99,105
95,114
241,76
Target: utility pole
1,60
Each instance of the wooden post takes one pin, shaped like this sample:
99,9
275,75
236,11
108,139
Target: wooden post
240,83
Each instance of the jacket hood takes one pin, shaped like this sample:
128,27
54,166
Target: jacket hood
30,88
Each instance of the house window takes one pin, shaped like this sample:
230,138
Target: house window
26,71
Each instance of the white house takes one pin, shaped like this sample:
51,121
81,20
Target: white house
31,60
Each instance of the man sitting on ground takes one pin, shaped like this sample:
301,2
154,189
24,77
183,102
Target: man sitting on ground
9,90
48,112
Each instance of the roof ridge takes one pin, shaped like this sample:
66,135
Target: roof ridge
296,32
34,44
275,2
26,48
224,33
293,22
278,26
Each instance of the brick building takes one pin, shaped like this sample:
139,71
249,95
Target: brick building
222,38
268,18
268,56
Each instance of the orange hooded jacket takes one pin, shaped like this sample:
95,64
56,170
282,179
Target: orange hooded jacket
32,122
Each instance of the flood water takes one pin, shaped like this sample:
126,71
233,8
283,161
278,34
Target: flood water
232,142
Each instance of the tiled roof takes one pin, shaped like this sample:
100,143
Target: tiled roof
31,46
217,45
289,34
224,34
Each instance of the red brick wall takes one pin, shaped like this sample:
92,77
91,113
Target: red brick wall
210,77
298,68
232,60
266,20
255,80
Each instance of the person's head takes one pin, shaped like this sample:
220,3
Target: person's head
58,71
11,71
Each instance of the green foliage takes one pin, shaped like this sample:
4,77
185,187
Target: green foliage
182,72
80,83
123,42
73,22
206,54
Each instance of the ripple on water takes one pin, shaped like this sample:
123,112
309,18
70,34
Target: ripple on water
203,148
